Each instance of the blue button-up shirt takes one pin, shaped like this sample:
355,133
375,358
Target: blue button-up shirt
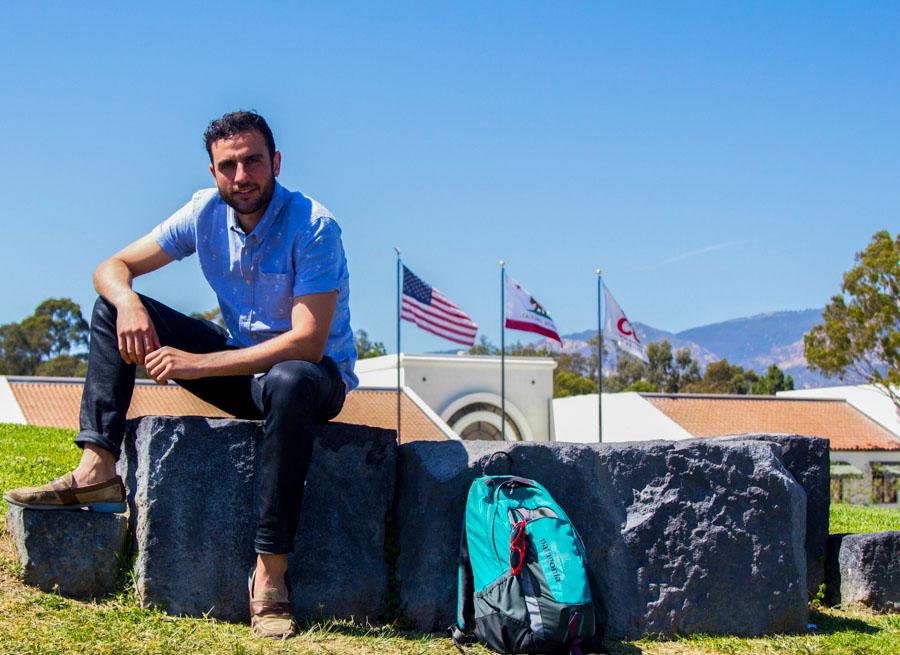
294,250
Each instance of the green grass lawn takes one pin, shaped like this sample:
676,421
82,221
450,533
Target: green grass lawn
33,622
856,518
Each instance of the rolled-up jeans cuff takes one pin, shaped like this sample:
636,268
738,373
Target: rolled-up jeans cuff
272,547
88,436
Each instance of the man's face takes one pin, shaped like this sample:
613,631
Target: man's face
244,172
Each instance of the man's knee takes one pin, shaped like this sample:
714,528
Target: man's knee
103,309
293,383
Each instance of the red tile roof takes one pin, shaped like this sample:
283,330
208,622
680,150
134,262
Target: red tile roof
843,425
56,404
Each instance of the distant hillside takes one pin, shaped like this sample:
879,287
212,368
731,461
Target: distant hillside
752,342
578,342
758,341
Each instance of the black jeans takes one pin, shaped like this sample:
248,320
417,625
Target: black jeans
291,397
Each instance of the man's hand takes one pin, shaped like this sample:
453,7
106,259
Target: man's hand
112,279
137,335
169,363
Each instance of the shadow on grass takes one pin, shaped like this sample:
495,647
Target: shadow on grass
355,629
350,629
827,624
620,648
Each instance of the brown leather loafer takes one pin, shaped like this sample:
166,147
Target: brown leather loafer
62,493
270,612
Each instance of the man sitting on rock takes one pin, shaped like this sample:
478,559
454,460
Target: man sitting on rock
276,263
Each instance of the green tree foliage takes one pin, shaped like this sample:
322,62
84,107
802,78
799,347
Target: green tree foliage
365,348
571,384
641,386
48,335
592,360
574,374
660,371
629,369
664,372
687,370
722,377
63,366
861,328
484,347
772,382
518,349
64,324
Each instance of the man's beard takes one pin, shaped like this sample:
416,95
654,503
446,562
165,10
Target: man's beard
252,204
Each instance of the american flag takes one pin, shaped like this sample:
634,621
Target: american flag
433,312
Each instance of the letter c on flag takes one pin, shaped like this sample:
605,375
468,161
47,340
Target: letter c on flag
622,324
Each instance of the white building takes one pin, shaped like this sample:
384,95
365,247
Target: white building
626,417
863,475
464,391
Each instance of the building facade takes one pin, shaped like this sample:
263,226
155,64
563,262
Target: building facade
465,392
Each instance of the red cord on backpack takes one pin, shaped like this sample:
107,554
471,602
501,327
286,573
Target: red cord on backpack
518,540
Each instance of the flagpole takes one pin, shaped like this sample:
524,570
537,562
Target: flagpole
599,355
503,350
399,287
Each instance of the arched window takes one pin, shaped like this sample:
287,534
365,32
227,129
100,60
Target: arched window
483,421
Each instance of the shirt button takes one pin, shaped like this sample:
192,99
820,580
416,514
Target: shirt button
247,282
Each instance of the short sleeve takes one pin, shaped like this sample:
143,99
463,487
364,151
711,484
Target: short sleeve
177,235
319,263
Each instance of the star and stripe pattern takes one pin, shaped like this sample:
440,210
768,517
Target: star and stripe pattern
432,311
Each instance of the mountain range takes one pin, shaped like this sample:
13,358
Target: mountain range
752,342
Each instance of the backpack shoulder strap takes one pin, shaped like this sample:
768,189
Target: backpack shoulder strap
465,614
494,458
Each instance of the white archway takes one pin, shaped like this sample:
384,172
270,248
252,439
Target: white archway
515,418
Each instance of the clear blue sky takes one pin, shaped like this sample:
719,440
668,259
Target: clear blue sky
715,159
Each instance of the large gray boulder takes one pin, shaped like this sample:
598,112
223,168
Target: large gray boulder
808,460
864,569
76,553
192,492
682,537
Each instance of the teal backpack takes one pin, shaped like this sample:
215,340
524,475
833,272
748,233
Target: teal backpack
523,579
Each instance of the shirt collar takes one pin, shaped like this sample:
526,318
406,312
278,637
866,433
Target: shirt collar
279,197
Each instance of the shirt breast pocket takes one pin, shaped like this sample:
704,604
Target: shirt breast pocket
274,296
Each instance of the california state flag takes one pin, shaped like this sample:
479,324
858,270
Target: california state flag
523,312
618,328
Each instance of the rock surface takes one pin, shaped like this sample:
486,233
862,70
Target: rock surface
192,490
682,537
78,553
808,460
864,569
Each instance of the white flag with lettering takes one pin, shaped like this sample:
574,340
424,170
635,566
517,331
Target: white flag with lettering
619,329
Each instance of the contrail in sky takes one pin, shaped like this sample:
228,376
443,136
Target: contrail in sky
701,251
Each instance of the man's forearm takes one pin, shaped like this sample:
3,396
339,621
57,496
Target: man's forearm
261,357
112,280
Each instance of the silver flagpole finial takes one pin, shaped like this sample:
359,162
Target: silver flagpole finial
599,272
502,263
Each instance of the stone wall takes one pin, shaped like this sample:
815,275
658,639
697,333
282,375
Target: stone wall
682,537
78,554
808,460
192,486
864,570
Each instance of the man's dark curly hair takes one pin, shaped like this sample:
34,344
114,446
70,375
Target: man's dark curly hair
235,123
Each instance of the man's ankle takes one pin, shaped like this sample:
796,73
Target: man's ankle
271,571
87,476
97,465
